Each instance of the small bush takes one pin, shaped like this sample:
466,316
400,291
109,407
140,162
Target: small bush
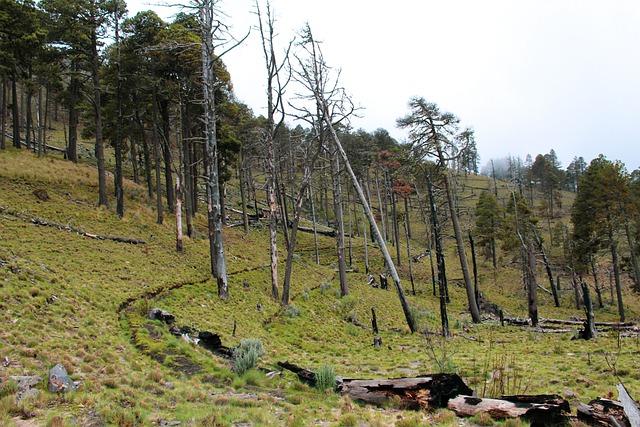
346,307
325,378
292,311
247,354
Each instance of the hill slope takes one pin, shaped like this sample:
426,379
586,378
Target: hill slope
82,302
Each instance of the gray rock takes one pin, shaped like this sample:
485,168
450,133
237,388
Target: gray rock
25,384
59,380
162,315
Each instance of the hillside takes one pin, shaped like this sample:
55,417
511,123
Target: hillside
83,303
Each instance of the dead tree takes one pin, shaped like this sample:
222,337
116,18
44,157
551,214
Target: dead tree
431,132
547,266
333,103
213,37
275,105
442,278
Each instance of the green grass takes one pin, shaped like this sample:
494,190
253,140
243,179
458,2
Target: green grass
134,372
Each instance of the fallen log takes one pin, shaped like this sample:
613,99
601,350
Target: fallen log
70,228
629,405
539,410
423,392
305,375
329,233
603,412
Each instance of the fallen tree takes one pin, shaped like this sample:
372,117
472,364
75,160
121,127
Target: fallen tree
603,412
70,228
539,410
423,392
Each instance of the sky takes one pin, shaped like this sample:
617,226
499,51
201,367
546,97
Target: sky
527,75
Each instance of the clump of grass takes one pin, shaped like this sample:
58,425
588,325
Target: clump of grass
7,388
482,419
292,311
325,378
247,354
346,307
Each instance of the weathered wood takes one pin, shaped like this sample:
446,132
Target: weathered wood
603,412
305,375
70,228
422,392
629,405
539,410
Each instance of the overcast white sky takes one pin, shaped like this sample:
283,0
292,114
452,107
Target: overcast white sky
527,75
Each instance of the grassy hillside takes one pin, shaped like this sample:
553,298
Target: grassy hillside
82,302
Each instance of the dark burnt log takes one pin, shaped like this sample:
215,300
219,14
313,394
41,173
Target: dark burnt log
539,410
418,258
603,412
423,392
213,343
383,281
305,375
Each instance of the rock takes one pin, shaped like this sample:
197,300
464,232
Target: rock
25,384
162,315
569,394
59,380
165,423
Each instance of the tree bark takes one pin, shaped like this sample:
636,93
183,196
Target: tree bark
179,243
532,285
596,283
473,306
547,266
616,272
156,156
15,113
407,236
315,226
117,176
383,247
3,115
216,244
435,226
337,209
97,107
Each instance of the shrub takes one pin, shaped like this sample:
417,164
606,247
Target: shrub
325,378
247,354
292,311
346,307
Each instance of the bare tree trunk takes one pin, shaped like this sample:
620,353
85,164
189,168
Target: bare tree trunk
350,228
408,239
40,122
3,115
473,306
243,196
167,153
366,248
308,170
97,107
590,326
133,157
475,267
394,224
273,215
28,123
532,285
547,266
337,209
117,176
15,112
616,272
383,247
156,156
435,226
632,253
596,283
208,23
315,226
179,244
380,209
146,155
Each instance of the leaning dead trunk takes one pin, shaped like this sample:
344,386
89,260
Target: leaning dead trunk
372,221
473,305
